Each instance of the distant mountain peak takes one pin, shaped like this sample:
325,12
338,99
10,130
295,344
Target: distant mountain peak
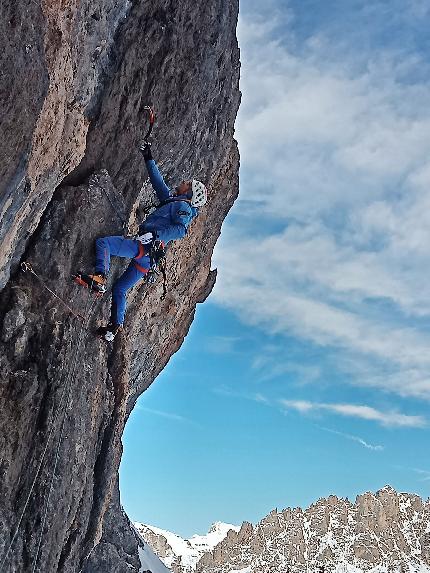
179,553
382,532
387,489
219,526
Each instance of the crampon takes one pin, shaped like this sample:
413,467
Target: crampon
96,283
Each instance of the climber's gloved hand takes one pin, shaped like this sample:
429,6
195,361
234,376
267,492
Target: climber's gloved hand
145,149
146,238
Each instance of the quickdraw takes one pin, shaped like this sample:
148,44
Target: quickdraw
157,257
26,267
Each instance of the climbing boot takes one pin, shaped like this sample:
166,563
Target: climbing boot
96,283
109,331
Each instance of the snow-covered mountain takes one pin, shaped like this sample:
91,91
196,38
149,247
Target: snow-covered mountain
382,532
182,555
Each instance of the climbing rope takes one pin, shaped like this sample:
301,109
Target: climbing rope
68,386
26,267
86,558
163,267
66,392
60,409
121,216
151,276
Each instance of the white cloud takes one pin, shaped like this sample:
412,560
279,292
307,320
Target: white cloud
302,406
361,441
425,474
332,228
261,399
308,291
228,392
391,419
315,131
222,344
168,415
271,362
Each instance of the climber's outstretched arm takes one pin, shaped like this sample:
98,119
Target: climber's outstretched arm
157,181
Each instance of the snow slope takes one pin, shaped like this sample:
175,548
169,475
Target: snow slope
190,550
150,562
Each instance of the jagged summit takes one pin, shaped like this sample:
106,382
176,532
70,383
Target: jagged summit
183,554
386,489
219,526
382,532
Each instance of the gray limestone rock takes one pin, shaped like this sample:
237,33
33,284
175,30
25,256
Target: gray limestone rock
76,78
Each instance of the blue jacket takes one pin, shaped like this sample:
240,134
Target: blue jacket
171,220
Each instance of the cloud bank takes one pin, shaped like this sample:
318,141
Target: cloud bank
389,419
329,241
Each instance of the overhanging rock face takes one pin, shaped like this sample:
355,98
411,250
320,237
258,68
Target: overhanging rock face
75,81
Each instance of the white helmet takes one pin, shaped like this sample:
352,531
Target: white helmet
200,194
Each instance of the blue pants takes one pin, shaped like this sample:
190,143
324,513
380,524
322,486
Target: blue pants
120,247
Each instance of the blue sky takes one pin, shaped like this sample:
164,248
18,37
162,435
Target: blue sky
307,372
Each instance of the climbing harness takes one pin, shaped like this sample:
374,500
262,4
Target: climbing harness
157,260
26,267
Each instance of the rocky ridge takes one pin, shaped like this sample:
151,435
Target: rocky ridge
182,555
385,532
74,80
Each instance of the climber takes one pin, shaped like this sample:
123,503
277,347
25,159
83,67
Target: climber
168,222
